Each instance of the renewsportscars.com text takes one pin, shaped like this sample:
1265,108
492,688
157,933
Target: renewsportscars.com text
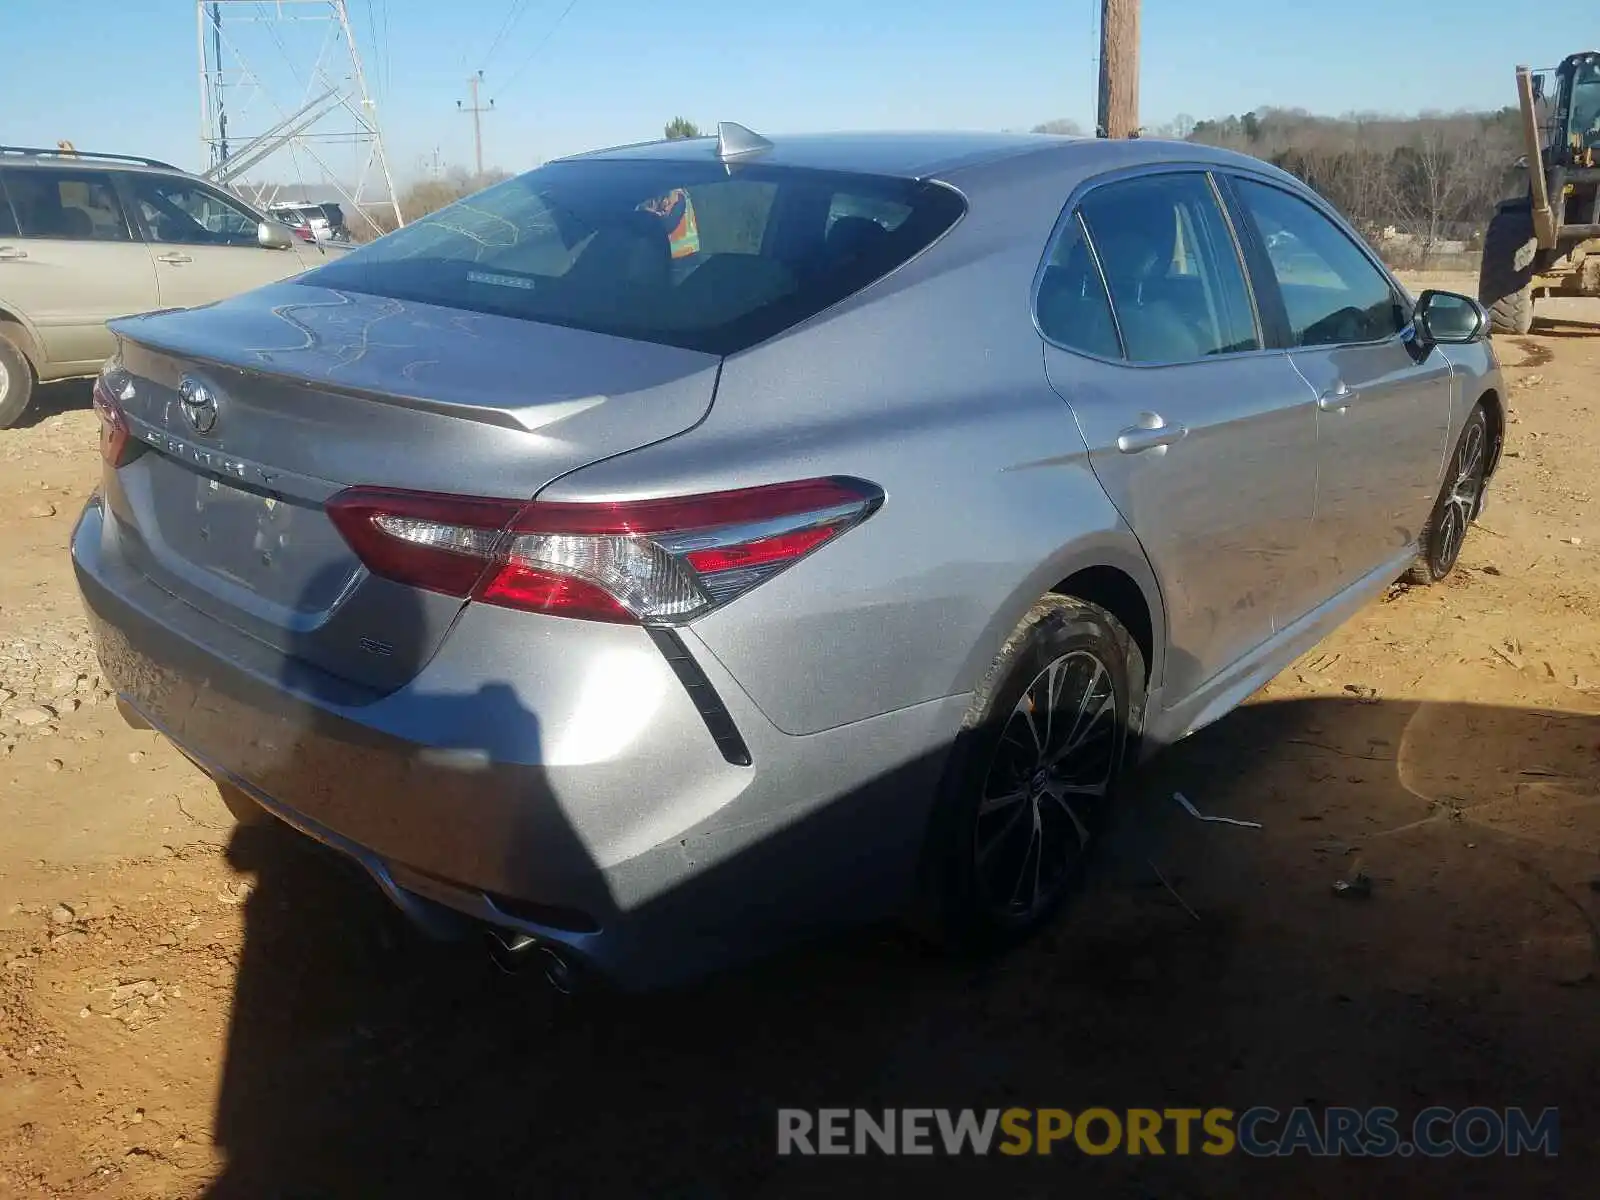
1258,1132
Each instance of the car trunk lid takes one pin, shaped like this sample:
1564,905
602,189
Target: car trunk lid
250,414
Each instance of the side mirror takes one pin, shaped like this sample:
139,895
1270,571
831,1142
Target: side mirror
1448,319
273,236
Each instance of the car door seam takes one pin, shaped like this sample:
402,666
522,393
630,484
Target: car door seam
1316,473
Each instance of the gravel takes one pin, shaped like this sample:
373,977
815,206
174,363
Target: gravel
48,671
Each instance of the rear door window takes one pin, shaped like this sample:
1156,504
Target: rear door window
669,251
80,206
1173,268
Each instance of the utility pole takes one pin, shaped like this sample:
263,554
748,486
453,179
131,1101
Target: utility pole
1119,69
477,110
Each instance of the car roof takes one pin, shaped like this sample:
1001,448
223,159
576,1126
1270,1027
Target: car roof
923,155
89,162
913,154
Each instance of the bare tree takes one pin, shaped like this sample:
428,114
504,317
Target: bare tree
1179,128
1431,178
1064,126
1435,176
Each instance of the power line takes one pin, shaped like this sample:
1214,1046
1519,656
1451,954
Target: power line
372,23
540,45
514,14
388,59
1094,56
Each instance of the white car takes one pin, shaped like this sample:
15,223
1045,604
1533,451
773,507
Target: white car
315,217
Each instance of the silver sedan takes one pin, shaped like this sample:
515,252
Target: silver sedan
686,547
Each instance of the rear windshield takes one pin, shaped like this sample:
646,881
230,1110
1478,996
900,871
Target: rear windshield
688,254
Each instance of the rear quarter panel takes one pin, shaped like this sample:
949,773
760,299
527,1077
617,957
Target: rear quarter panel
932,385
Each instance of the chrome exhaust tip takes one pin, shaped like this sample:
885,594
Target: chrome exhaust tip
515,953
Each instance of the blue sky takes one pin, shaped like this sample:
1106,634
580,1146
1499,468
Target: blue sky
119,75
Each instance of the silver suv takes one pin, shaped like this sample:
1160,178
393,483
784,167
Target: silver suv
88,237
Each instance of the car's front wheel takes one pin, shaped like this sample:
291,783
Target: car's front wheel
1033,773
1458,503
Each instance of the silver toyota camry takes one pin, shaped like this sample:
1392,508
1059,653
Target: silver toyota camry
682,548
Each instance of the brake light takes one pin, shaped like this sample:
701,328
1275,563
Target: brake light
107,395
643,561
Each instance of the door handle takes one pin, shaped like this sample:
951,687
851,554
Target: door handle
11,254
1151,433
173,257
1337,400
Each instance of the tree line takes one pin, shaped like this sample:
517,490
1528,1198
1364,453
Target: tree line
1431,179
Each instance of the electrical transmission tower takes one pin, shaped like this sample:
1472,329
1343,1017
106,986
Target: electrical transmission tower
284,99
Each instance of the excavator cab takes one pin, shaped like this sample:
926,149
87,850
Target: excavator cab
1576,132
1547,241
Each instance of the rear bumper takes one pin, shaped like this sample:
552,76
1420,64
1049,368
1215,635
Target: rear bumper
540,775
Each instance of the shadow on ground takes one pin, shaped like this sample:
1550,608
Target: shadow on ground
1560,327
363,1061
53,399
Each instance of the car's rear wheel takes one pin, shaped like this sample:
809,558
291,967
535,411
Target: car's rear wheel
16,384
1457,505
1033,774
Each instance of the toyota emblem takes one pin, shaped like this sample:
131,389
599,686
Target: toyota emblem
199,405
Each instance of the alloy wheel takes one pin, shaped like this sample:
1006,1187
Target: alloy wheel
1461,505
1046,785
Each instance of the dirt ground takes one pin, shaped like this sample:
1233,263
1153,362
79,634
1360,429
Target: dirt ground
187,1010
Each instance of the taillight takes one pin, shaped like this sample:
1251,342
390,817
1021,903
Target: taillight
109,389
643,561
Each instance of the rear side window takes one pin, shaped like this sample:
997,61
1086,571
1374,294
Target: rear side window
1173,268
677,252
1331,291
79,206
1072,306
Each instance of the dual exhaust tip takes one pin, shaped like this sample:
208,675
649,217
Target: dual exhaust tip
516,953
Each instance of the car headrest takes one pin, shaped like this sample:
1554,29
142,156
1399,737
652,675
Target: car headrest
855,237
632,246
75,223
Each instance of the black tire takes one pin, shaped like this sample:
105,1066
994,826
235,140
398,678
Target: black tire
16,383
971,851
1505,288
245,810
1457,506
